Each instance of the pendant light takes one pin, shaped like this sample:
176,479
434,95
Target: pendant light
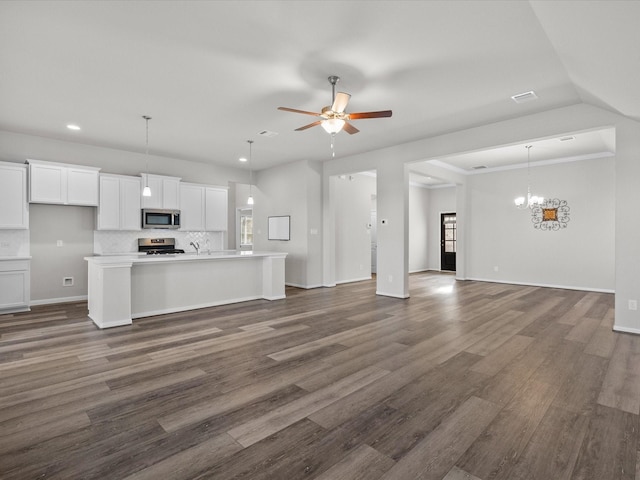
531,200
146,191
250,199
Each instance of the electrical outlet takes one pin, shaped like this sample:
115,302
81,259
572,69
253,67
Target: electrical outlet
59,243
633,305
390,278
495,269
67,282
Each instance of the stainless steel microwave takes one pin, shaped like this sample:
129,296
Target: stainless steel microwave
158,218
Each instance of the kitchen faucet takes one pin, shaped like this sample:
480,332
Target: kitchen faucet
196,245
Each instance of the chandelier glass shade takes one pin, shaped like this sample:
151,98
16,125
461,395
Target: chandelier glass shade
530,201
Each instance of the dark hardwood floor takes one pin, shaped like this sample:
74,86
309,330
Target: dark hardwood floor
464,380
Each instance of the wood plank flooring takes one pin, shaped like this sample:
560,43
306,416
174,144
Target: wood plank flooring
464,380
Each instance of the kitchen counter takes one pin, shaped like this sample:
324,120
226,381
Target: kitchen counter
125,287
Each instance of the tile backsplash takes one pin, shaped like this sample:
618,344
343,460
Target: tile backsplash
14,243
107,242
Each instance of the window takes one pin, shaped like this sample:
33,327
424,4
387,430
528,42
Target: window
246,228
450,234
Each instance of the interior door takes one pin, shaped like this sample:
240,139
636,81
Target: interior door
448,241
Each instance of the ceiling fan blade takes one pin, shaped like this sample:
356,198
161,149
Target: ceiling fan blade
350,129
340,102
294,110
361,115
309,126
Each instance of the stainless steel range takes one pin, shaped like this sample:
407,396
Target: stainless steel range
158,246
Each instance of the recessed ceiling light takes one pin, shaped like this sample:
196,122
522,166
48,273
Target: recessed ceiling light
73,127
242,159
267,133
525,97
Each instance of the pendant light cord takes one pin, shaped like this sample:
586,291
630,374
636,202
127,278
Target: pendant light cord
146,149
250,169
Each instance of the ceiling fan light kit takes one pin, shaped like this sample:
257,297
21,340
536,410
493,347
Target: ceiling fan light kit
334,118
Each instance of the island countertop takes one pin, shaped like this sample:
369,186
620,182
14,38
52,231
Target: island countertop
137,258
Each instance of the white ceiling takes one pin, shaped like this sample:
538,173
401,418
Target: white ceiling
212,73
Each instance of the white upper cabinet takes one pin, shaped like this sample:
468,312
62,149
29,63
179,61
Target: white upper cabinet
216,209
165,191
119,207
192,207
14,213
203,208
62,184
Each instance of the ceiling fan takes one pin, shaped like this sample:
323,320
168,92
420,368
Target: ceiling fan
333,118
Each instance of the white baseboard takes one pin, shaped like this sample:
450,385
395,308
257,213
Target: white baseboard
49,301
362,279
420,270
394,295
626,330
544,285
306,287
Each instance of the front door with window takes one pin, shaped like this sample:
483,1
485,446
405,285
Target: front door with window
448,241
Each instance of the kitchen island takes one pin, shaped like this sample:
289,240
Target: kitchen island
124,287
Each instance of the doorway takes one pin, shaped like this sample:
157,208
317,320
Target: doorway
448,241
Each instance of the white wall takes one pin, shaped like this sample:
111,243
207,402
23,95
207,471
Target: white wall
352,234
582,256
314,224
441,200
286,190
419,199
16,147
50,263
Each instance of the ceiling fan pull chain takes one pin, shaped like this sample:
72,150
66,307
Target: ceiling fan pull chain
333,151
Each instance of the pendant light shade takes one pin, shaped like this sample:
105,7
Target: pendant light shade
146,191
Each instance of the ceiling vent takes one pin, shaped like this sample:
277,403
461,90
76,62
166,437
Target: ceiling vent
267,133
479,167
525,97
566,139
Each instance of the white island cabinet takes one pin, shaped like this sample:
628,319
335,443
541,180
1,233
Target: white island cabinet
62,184
14,213
125,287
120,203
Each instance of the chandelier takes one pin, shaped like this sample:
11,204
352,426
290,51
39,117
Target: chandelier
531,200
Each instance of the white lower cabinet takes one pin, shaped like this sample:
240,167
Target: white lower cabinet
203,208
14,285
119,207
